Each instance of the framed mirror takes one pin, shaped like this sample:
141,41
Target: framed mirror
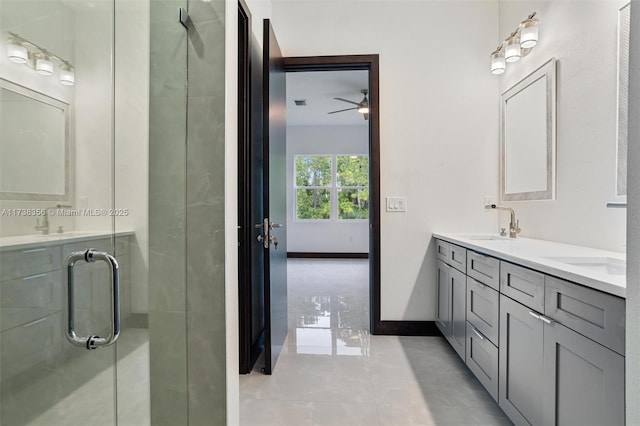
35,145
528,137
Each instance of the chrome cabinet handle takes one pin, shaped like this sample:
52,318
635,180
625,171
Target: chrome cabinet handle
94,341
480,336
542,318
546,320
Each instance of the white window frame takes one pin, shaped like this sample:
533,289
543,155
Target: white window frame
333,189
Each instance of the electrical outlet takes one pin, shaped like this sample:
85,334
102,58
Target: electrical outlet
396,204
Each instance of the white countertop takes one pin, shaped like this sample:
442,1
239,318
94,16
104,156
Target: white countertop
599,269
20,242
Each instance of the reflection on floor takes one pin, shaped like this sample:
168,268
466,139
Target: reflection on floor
93,401
333,372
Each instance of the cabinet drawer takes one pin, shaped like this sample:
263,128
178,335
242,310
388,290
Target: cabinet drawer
26,299
482,360
24,263
522,285
483,307
25,346
458,258
102,244
599,316
442,250
484,269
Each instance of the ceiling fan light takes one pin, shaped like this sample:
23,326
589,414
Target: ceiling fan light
363,108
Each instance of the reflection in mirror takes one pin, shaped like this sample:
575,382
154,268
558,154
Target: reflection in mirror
624,24
34,145
528,137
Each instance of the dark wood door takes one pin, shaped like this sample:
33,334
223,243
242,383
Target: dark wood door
274,163
250,195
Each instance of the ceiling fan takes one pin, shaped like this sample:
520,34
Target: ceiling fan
362,107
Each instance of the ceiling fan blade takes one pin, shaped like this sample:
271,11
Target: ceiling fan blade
341,110
346,100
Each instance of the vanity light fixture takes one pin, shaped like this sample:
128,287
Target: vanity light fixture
512,51
516,46
16,52
529,32
498,63
67,74
22,51
44,66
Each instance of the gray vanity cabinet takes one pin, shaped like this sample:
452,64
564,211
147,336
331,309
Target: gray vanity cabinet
458,294
452,305
443,308
584,381
521,363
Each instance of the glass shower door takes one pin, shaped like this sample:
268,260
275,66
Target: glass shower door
57,198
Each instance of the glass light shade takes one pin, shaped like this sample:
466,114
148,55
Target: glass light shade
512,50
44,66
529,34
498,63
17,53
363,109
67,76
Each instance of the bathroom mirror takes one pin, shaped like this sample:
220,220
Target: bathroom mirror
34,145
528,148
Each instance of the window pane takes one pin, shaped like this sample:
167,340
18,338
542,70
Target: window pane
353,204
314,204
353,170
313,170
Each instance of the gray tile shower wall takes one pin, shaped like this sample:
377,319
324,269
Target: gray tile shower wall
205,214
167,215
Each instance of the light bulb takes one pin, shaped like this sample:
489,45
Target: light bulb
67,75
512,49
16,52
498,64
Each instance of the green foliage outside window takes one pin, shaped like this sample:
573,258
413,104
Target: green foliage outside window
314,186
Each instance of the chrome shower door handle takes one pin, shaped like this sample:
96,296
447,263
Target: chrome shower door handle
94,341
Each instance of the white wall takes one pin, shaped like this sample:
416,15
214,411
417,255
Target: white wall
439,113
633,227
332,235
583,37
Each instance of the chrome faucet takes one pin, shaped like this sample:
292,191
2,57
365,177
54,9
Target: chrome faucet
514,225
45,223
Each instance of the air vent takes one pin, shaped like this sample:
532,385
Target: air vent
300,102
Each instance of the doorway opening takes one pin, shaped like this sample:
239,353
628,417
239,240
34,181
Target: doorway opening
367,68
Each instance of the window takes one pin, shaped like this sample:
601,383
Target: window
331,187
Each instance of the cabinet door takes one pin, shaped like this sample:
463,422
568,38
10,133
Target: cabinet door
458,294
520,363
584,381
443,308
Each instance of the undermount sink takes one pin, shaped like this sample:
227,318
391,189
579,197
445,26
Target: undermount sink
607,265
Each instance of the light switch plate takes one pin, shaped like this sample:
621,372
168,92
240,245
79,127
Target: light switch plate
396,204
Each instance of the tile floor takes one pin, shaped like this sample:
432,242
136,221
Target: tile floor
333,372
